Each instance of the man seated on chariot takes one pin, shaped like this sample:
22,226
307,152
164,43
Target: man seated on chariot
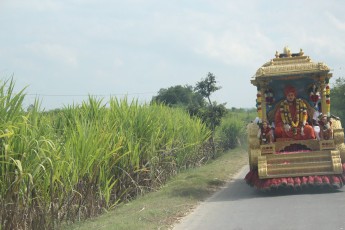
291,117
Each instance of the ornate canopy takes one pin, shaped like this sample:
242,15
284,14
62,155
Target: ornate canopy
289,65
290,69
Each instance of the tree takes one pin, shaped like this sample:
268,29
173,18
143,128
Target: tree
180,96
213,113
207,86
337,98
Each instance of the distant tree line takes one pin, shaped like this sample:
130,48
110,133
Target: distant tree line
196,100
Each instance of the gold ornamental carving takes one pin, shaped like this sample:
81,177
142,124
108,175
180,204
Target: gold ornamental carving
276,69
326,162
290,63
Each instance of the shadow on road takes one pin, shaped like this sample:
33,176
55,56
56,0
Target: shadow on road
239,190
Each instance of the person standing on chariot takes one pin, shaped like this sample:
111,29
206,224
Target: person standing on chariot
326,132
291,117
316,125
266,135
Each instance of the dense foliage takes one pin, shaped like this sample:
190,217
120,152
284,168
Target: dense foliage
179,96
75,162
338,98
232,130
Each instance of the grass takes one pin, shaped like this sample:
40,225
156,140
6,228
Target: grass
163,208
85,159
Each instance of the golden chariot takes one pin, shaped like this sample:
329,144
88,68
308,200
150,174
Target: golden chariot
288,161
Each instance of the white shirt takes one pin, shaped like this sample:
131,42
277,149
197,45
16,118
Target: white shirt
316,115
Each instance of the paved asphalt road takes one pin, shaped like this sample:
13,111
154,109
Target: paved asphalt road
240,207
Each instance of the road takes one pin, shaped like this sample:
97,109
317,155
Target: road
240,207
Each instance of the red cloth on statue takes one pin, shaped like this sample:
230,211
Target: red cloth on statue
280,130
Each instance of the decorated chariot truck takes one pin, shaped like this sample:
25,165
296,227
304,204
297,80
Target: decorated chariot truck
295,141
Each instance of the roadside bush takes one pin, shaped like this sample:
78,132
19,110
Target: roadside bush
230,133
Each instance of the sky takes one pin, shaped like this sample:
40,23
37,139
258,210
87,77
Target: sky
65,50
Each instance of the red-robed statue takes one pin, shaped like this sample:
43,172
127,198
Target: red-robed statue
291,117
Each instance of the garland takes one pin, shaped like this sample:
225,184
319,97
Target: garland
323,125
264,137
301,115
314,94
328,98
327,126
269,98
258,104
259,109
264,133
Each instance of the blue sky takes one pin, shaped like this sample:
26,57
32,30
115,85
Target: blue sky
64,50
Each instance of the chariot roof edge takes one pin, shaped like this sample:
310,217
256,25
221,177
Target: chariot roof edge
290,65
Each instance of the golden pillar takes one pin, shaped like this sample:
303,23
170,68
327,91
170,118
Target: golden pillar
323,98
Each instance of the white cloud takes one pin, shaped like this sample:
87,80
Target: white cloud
55,52
339,24
38,5
225,48
229,42
118,62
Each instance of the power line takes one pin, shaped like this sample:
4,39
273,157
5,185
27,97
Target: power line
85,95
